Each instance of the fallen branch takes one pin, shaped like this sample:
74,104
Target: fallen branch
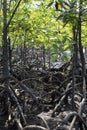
73,114
17,103
29,127
34,127
58,106
25,88
81,107
44,121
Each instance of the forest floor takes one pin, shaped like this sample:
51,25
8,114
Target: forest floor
43,99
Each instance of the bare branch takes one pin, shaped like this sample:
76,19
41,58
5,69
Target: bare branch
13,13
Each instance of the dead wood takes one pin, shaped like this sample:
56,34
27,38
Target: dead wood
12,93
26,89
34,127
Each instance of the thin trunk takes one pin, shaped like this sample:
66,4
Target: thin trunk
10,54
73,82
5,57
44,62
5,52
21,55
37,60
5,44
24,55
49,62
81,50
74,64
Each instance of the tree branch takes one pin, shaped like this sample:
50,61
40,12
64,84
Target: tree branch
13,13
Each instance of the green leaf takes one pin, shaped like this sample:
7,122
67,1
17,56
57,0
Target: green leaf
66,47
50,4
55,48
54,57
65,57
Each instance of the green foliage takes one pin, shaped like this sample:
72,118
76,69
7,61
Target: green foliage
37,23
